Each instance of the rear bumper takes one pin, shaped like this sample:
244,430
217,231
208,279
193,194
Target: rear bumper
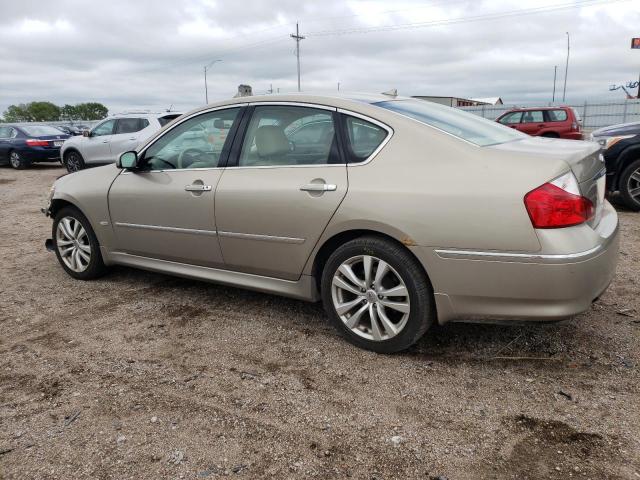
41,154
472,285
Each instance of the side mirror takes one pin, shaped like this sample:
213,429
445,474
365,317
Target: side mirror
86,133
127,160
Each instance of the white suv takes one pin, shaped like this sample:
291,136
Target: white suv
111,137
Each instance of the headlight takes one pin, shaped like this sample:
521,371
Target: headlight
611,141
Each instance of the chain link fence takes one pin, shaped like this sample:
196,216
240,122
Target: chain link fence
594,115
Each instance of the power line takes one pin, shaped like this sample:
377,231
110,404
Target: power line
491,16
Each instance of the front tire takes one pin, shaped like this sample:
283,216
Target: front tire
73,161
630,185
377,295
17,161
76,245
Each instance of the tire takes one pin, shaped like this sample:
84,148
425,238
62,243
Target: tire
550,135
402,270
17,161
629,185
73,161
69,236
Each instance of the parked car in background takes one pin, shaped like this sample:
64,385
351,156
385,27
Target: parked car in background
349,200
22,145
69,130
555,122
108,139
621,150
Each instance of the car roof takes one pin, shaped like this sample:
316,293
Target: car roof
141,115
528,109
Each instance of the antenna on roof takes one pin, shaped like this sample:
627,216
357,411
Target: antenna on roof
170,107
391,93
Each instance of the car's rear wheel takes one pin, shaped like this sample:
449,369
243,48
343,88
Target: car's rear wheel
377,295
76,245
17,161
550,135
73,161
630,185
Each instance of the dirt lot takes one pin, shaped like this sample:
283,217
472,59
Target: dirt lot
145,376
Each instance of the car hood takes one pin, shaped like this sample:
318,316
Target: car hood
89,176
583,158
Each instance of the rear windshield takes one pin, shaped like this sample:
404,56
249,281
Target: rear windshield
40,130
461,124
166,119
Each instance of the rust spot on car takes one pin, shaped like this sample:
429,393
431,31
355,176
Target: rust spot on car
409,242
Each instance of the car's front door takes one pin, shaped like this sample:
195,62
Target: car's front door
95,147
165,210
275,198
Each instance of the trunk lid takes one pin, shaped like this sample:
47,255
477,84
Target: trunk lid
583,158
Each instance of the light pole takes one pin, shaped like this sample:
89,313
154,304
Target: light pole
555,73
207,67
566,70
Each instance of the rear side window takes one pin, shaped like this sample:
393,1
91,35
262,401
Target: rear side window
533,116
557,115
131,125
363,138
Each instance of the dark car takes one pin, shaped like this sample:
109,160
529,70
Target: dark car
621,150
22,145
69,130
555,122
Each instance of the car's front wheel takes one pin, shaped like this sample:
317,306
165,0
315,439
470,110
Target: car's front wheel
377,295
76,245
630,185
17,161
73,161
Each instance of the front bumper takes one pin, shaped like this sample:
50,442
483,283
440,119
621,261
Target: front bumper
476,286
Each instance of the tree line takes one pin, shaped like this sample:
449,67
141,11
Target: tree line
49,112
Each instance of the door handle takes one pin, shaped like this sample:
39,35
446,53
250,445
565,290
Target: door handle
133,138
105,141
198,188
319,187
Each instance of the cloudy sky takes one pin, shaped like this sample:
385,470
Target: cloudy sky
151,53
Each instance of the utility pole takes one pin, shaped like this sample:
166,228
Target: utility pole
297,37
566,69
555,73
206,92
338,86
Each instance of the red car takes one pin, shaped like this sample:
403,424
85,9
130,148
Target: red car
556,122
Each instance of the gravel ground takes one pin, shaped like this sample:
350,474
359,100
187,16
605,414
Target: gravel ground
145,376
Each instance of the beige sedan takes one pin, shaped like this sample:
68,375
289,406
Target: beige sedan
396,213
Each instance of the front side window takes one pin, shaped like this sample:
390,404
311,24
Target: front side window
464,125
131,125
105,128
289,135
363,137
557,115
195,143
534,116
511,118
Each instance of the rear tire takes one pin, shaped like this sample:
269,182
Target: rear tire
73,161
630,186
76,245
17,161
389,314
550,135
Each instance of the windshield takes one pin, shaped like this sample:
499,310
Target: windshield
461,124
41,130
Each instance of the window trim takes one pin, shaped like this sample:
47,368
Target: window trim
221,161
234,155
390,133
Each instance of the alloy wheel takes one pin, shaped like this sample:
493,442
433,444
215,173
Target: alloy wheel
633,185
370,297
73,162
73,244
14,159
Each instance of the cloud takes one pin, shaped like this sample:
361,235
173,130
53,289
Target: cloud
151,53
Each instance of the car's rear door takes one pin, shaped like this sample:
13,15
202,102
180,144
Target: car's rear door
96,147
5,142
532,122
126,135
166,210
273,201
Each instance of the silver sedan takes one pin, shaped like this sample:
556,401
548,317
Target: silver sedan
396,213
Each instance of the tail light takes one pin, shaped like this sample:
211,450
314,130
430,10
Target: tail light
558,204
575,126
34,142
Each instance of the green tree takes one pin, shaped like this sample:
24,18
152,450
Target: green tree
17,113
91,111
69,112
43,111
